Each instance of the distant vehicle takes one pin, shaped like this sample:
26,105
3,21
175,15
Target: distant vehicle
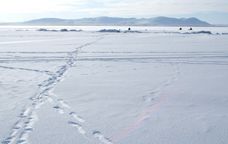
190,29
129,29
180,28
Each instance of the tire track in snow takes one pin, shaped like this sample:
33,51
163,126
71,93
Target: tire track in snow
34,52
24,126
32,41
27,69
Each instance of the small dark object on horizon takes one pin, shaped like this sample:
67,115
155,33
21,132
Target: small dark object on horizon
64,30
190,29
42,29
129,29
180,28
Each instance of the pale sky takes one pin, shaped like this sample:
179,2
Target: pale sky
214,11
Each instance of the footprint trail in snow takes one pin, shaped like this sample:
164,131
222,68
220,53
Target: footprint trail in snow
24,126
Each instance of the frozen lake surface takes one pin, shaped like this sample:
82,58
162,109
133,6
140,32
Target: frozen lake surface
113,88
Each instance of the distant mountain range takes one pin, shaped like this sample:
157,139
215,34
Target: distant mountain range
156,21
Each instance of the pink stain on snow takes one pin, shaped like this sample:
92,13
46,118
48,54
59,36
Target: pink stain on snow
139,121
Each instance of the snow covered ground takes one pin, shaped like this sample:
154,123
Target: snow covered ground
113,88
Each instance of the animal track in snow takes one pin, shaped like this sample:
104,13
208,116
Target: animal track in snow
63,107
78,126
21,130
78,118
101,138
63,103
25,113
157,91
59,109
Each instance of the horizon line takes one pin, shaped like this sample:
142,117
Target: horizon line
138,18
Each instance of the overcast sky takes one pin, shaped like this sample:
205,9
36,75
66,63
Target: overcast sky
214,11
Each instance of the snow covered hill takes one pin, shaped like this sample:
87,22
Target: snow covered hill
157,21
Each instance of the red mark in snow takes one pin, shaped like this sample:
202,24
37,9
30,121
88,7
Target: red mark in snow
138,122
